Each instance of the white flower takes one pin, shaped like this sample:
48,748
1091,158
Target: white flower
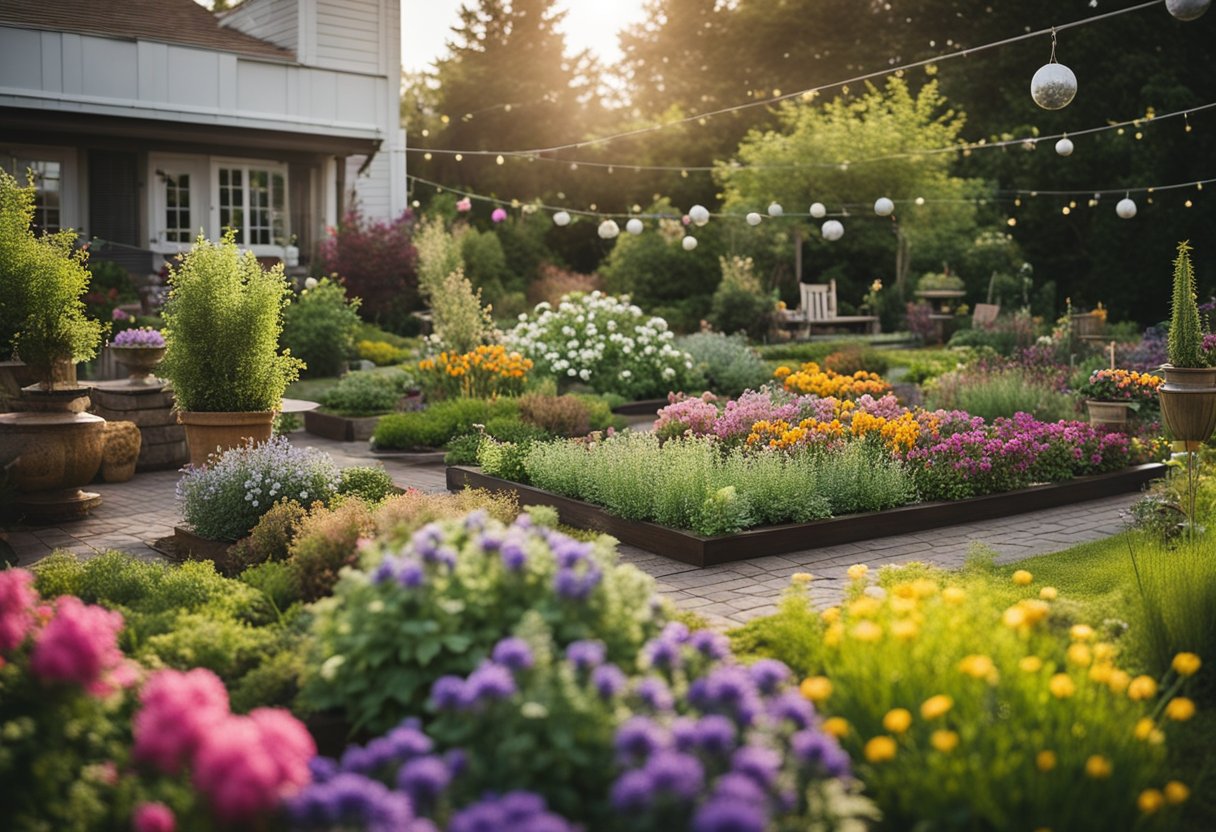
329,669
375,606
668,372
585,375
570,372
626,374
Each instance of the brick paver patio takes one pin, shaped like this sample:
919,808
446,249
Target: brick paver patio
135,514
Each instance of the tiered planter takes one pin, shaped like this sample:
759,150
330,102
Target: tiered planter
208,433
1188,404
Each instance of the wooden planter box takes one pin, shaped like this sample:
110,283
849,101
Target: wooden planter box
413,457
793,537
647,407
192,547
340,428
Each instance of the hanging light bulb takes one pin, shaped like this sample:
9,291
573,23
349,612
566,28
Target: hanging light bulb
1054,85
753,218
635,226
561,218
699,215
775,210
832,230
608,229
884,207
818,211
1126,208
689,243
1064,146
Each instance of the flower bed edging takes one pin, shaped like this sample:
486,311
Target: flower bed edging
792,537
645,407
340,428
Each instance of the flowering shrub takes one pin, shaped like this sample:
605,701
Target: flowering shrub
377,261
225,500
727,364
367,394
605,342
381,353
928,680
484,373
437,604
1121,386
810,379
144,336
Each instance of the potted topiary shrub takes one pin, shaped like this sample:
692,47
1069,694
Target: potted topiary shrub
1188,396
223,319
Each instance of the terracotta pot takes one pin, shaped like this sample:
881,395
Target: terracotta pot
56,453
1189,378
1109,415
140,362
1189,414
208,433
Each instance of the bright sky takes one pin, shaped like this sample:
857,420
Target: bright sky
589,24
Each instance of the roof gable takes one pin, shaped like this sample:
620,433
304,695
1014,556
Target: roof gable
167,21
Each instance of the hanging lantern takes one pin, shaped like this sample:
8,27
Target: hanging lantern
884,207
1053,86
832,230
561,218
635,226
1126,208
609,229
699,215
689,243
818,211
1064,146
1187,9
753,218
775,210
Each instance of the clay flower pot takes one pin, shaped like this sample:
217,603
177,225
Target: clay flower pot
210,433
140,362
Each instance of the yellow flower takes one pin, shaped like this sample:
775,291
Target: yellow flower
1081,632
1034,610
858,571
802,577
978,667
901,605
1101,673
1141,688
867,631
1118,681
954,595
943,740
936,706
924,588
1186,664
1023,578
1062,686
1030,664
897,720
865,607
833,634
831,615
1180,709
816,688
1144,728
1150,800
1049,593
905,630
1097,767
880,749
836,726
1176,792
1080,654
1014,617
1045,760
1104,651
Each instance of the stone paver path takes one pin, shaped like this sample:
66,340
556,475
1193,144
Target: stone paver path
135,514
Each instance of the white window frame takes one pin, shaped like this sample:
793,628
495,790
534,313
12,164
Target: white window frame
161,166
275,247
69,182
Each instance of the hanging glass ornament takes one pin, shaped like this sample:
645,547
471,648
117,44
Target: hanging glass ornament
609,229
833,230
884,207
689,243
635,226
699,215
1187,10
818,211
775,210
1126,208
1054,85
1064,146
753,218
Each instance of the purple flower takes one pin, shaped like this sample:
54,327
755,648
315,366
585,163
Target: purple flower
684,733
447,694
740,787
768,674
513,555
662,653
819,750
142,337
654,692
350,800
410,574
727,689
514,654
322,768
486,683
759,763
631,791
676,774
585,655
424,780
608,680
715,735
638,738
513,812
576,584
710,644
793,707
722,815
408,741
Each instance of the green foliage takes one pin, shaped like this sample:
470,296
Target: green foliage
222,325
271,538
319,328
459,321
276,580
997,393
42,315
438,256
382,354
855,357
1005,336
504,459
370,483
273,683
485,264
739,303
367,393
556,415
1186,336
438,423
325,542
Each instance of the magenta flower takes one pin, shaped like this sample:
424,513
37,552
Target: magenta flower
154,817
80,645
499,215
465,205
18,599
178,709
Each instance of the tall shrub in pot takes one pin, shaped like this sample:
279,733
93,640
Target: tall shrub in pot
1188,396
223,319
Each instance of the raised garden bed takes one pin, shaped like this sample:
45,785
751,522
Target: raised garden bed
646,407
190,546
413,457
340,428
793,537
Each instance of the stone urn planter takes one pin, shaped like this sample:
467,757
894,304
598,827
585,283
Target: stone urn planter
56,454
140,362
1112,416
209,433
1188,403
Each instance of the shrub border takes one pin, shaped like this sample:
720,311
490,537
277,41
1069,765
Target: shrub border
792,537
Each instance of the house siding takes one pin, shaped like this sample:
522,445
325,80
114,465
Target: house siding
277,21
350,35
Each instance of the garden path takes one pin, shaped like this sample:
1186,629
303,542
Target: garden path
135,514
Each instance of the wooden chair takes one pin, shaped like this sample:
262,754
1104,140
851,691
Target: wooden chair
818,307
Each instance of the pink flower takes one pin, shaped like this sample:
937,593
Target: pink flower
465,205
79,645
499,214
18,598
153,817
177,711
118,315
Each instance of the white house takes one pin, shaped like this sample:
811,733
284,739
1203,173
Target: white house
148,121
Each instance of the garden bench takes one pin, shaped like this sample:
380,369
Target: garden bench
818,309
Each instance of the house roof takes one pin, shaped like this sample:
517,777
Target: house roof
166,21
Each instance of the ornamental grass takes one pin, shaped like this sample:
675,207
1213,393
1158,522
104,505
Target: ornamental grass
966,712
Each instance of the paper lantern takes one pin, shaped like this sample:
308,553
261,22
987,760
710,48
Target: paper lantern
699,215
1064,146
635,226
1187,9
884,207
1053,86
832,230
1126,208
561,218
775,210
753,218
689,243
609,229
818,211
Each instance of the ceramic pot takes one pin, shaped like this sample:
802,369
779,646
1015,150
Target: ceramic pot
209,433
140,362
1189,378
